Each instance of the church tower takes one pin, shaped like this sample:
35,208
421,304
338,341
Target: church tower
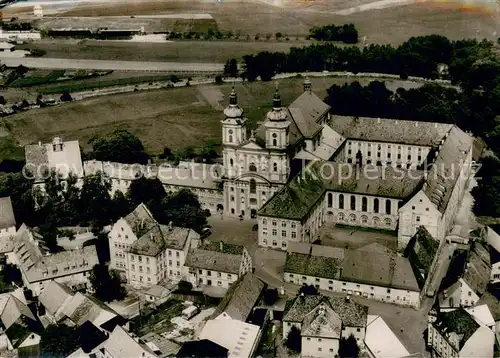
277,125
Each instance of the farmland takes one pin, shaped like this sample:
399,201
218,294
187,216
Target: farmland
176,118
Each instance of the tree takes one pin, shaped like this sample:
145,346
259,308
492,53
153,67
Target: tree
120,146
231,68
2,100
58,341
36,52
183,209
166,154
294,339
184,286
270,296
107,284
148,191
66,97
10,273
95,204
348,347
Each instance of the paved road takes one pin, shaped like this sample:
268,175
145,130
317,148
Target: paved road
72,64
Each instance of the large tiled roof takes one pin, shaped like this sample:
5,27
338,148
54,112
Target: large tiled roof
322,322
352,313
38,266
444,173
54,295
7,218
121,344
493,304
421,251
241,297
383,269
140,220
459,322
297,198
299,306
390,130
216,260
478,270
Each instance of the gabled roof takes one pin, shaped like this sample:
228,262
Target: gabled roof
322,322
390,130
241,297
140,220
493,304
54,295
298,307
444,173
352,313
7,218
421,252
478,270
381,341
214,261
121,344
459,322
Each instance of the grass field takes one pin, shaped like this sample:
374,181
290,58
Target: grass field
181,51
391,25
176,118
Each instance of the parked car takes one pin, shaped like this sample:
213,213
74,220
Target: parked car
205,232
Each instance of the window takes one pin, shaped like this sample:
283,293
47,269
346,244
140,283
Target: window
231,162
253,186
330,200
283,233
140,258
353,202
369,154
375,205
418,219
133,267
148,270
275,167
293,225
252,167
364,204
232,198
283,224
209,273
275,232
264,231
341,201
283,244
294,234
319,339
275,223
275,243
308,338
264,241
228,276
358,329
349,152
264,222
177,254
388,207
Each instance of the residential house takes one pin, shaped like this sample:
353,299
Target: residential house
19,324
74,309
352,316
202,348
217,264
239,338
38,266
7,219
494,307
472,283
157,294
381,342
482,314
145,252
241,298
62,156
457,334
386,277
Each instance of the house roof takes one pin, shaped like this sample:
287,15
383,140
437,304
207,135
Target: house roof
421,251
296,199
157,291
322,322
41,157
390,130
90,336
445,171
82,308
493,304
13,310
316,266
352,313
478,270
53,296
121,344
381,341
482,314
214,261
7,218
140,220
298,307
202,348
38,265
241,297
459,322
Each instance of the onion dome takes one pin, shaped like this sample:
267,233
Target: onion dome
233,110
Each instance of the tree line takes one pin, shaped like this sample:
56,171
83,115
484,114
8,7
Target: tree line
419,56
346,33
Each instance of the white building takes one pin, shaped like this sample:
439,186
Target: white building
340,318
145,252
457,334
38,267
240,338
63,157
216,264
37,11
381,342
19,35
204,180
386,277
7,219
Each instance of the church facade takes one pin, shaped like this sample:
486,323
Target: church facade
368,172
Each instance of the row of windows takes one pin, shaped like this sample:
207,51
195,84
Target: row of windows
364,220
253,168
275,243
364,203
293,225
283,233
218,274
252,201
379,155
379,146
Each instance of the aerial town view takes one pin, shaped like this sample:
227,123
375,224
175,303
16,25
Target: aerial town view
249,178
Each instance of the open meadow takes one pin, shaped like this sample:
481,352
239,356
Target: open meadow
175,118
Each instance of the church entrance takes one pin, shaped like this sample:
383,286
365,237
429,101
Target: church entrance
330,217
220,207
253,213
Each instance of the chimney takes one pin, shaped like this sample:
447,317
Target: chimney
221,246
171,225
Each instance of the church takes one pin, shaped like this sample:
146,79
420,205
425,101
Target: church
376,173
